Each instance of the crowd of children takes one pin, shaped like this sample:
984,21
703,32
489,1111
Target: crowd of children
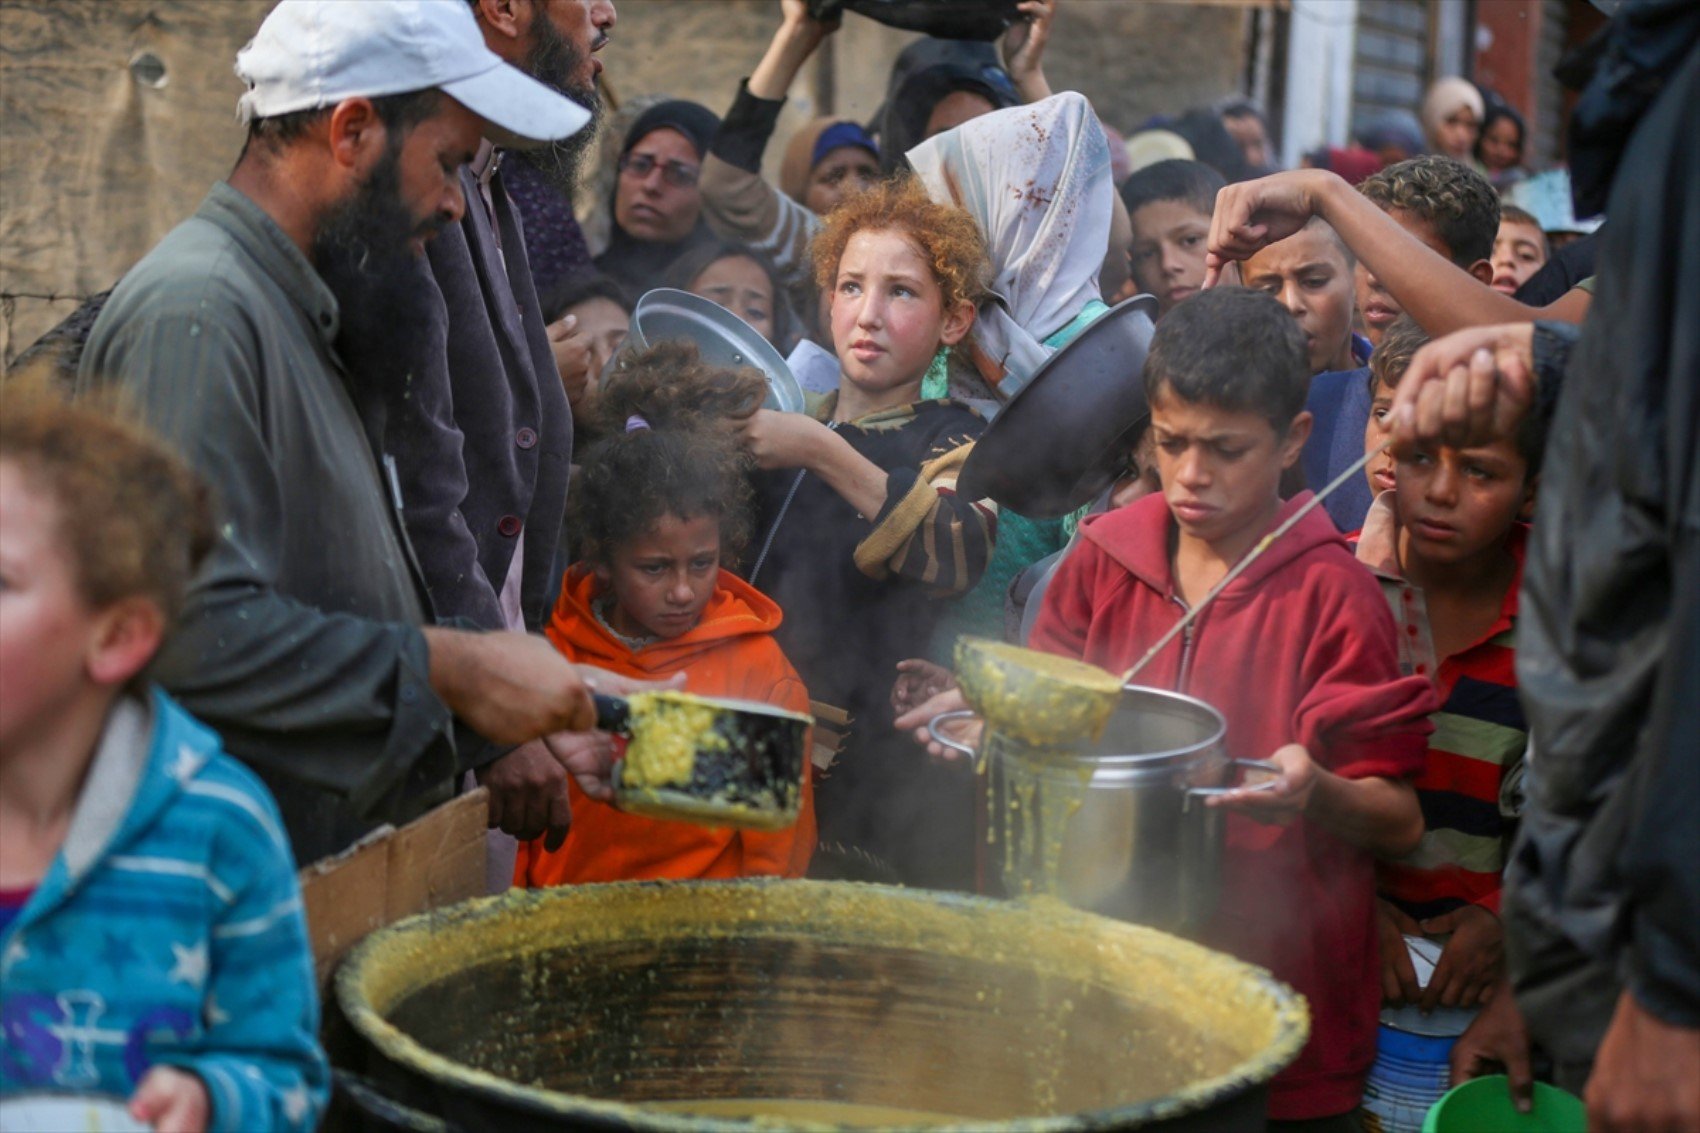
809,560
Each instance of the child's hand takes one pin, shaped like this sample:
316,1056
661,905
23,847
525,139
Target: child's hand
1398,974
964,731
1496,1042
1471,962
589,758
1283,802
573,360
1252,215
1024,48
172,1101
918,681
780,440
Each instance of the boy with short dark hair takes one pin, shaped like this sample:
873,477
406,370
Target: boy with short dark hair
1453,210
1445,204
1299,652
1447,544
1169,205
1519,250
1311,273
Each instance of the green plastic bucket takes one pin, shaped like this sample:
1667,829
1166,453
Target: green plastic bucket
1484,1104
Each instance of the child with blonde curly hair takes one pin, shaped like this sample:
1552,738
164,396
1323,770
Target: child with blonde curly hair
864,535
152,942
662,502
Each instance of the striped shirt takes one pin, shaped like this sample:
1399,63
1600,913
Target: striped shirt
1470,786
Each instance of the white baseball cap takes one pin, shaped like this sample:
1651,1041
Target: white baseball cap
315,53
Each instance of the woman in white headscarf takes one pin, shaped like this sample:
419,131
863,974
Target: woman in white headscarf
1037,179
1452,116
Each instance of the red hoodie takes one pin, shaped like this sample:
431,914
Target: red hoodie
1299,649
729,652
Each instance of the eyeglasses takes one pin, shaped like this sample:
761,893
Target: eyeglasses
675,173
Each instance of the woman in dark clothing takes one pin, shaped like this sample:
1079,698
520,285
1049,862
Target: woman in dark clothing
657,205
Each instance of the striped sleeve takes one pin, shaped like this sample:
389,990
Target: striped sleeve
258,1051
927,532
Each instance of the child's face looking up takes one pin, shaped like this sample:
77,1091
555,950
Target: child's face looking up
1379,471
1456,503
1221,468
1309,274
1519,251
53,647
888,316
661,580
740,285
1168,251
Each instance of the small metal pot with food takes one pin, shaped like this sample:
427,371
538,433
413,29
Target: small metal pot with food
1114,825
708,761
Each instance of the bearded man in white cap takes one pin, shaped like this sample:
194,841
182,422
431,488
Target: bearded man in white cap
460,387
306,640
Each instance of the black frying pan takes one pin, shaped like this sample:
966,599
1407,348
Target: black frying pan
1066,436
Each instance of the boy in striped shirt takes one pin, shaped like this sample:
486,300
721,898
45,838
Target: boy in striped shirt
1447,542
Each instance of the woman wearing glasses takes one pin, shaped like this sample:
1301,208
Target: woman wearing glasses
657,206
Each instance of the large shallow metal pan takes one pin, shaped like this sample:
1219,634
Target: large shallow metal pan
722,339
1064,438
664,1007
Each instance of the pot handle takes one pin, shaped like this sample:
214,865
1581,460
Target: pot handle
1242,764
940,737
613,714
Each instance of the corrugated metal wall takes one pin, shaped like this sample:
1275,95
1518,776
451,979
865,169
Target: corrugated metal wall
1547,136
1391,61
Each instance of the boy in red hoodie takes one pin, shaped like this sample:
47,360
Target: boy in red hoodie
1300,655
661,502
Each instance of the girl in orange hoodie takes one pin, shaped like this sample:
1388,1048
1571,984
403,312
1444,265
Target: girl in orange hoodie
661,502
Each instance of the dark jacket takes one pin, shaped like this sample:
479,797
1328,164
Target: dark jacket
1603,884
480,428
861,593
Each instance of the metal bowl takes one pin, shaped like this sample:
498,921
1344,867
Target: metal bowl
722,339
1066,436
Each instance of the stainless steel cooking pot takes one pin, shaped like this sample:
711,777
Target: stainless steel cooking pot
1136,842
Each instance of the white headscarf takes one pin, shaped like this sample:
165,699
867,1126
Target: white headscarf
1037,181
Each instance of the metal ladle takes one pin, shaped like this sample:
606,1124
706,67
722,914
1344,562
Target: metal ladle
1025,693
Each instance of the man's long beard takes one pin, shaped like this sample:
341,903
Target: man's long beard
362,251
554,61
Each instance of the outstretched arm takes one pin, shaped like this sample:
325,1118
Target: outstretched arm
796,39
1439,295
1024,49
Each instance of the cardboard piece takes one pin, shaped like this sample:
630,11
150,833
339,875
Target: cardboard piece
435,860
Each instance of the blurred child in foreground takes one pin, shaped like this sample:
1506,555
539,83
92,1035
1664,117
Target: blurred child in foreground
152,942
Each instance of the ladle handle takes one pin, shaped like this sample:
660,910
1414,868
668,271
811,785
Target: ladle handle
1252,555
940,737
613,713
1241,764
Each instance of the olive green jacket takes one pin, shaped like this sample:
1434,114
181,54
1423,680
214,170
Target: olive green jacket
301,640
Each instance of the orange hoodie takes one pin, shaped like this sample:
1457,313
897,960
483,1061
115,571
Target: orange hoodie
729,652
